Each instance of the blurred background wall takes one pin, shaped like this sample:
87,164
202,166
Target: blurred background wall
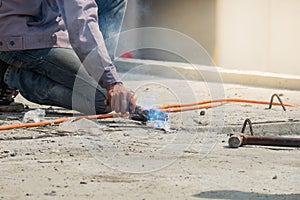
260,35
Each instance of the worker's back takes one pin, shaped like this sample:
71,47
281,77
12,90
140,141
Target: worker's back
31,24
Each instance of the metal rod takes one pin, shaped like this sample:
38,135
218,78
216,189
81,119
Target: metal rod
279,99
238,139
247,121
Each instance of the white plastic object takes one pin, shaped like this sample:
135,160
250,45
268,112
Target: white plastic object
36,115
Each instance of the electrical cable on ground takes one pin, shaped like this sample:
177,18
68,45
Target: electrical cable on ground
168,108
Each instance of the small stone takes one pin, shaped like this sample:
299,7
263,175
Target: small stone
13,154
55,151
52,193
275,177
83,182
202,113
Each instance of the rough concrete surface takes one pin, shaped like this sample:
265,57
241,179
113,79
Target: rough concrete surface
122,159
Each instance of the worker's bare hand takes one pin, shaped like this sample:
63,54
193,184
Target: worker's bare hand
121,100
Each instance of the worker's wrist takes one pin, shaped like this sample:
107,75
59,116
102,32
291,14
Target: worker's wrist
113,85
109,76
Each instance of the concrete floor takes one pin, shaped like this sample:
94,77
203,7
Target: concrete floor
122,159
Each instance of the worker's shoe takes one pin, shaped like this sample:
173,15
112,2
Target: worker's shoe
7,95
7,103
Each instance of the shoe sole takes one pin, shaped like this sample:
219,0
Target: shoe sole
13,107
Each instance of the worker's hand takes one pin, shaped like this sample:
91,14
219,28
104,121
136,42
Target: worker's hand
121,100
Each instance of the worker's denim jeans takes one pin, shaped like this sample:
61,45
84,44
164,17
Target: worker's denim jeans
52,76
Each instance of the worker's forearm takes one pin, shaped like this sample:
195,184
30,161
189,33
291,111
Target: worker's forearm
81,20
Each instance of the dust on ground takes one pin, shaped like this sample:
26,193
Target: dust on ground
119,158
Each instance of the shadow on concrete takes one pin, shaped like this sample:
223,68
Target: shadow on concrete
237,195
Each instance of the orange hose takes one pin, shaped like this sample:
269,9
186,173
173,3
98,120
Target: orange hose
58,121
224,101
165,108
187,108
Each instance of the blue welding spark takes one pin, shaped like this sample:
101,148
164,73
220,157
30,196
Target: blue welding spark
156,115
157,119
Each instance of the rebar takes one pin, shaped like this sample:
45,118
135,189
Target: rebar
279,99
238,139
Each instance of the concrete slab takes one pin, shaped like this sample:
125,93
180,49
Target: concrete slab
122,159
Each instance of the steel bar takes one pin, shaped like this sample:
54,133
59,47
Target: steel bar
238,139
279,99
247,121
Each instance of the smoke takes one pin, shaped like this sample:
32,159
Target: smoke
136,9
144,7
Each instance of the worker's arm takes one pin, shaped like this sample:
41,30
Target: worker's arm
81,20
